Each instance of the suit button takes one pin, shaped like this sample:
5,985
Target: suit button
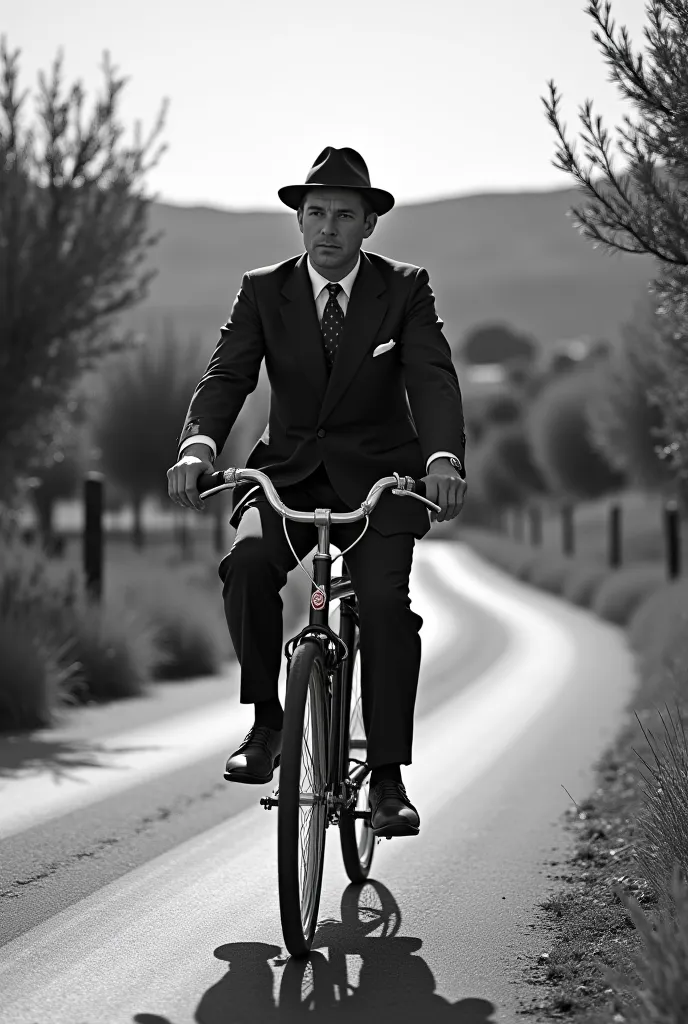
321,432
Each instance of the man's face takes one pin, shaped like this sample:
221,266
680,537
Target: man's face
334,224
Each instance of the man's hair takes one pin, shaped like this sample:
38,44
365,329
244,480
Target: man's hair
367,205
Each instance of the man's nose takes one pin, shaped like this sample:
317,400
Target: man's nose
329,226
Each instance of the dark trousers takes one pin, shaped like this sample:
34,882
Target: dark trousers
255,570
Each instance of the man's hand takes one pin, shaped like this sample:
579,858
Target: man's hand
446,488
182,479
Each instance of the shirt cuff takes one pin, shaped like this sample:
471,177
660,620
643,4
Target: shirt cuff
439,455
199,439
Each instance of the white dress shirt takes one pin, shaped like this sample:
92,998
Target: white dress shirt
320,295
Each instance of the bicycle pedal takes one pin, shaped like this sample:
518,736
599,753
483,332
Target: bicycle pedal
268,802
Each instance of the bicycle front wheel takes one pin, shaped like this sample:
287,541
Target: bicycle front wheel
302,808
356,835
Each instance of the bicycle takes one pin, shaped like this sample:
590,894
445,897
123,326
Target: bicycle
324,776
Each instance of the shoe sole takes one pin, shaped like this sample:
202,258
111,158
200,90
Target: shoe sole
389,831
251,780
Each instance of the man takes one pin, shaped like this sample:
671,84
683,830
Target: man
361,385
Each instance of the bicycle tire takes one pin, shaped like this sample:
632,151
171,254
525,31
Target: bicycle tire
356,836
302,810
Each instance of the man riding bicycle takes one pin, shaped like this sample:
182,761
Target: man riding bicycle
361,385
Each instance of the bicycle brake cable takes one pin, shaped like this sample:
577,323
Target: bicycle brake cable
340,555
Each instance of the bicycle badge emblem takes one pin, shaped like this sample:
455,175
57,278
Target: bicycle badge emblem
317,600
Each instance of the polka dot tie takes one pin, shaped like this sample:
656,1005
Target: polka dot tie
332,324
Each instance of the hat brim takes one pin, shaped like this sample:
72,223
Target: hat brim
380,200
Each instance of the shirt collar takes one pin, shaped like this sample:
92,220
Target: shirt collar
319,282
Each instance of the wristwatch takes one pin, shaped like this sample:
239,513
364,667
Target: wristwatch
456,463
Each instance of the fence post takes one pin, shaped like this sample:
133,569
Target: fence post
535,519
94,484
672,538
567,529
615,535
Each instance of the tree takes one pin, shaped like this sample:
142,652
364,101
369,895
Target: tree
559,436
507,448
644,208
72,234
61,469
626,425
496,343
146,395
502,408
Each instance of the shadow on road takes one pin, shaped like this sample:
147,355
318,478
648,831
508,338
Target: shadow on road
393,984
24,754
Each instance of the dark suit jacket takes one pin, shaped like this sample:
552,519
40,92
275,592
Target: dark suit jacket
359,422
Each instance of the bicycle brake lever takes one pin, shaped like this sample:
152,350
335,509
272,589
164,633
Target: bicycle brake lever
418,497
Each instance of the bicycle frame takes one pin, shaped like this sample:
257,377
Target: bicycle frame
343,591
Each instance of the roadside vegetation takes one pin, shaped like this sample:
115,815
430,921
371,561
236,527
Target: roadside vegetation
605,424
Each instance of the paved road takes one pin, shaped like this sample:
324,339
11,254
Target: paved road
137,886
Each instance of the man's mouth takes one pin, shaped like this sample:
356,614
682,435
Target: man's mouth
327,245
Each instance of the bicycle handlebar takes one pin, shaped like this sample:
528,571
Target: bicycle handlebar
403,486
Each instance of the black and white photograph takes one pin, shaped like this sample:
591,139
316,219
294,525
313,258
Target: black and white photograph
343,512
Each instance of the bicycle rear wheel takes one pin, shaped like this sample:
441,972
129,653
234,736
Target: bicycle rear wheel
302,809
356,836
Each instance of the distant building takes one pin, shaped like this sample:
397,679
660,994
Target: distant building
483,374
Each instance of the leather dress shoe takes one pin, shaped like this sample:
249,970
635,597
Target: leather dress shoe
392,813
257,757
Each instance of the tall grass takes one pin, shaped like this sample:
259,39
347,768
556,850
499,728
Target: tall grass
38,667
659,992
663,825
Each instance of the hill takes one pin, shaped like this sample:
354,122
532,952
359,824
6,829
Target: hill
513,257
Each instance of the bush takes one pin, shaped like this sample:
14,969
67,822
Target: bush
38,670
117,650
189,648
32,679
625,589
506,451
549,572
502,551
497,489
186,618
582,583
658,629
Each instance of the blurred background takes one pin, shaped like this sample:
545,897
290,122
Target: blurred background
141,161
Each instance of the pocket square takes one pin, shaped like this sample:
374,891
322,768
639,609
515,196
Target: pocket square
383,348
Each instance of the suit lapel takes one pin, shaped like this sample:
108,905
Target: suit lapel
364,314
301,323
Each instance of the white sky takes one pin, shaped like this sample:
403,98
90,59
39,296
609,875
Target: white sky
441,97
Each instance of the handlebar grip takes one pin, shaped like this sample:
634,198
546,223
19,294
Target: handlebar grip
206,481
419,488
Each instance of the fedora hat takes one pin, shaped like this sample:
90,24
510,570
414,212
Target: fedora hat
338,168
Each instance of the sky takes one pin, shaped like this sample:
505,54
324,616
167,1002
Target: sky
441,97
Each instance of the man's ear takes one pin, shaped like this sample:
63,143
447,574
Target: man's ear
370,222
299,217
